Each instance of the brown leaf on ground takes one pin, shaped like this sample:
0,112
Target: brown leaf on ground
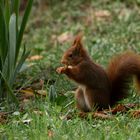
102,115
38,112
35,57
64,37
106,114
97,115
135,114
122,108
118,108
27,93
93,15
34,88
83,115
37,84
3,117
102,14
41,92
50,133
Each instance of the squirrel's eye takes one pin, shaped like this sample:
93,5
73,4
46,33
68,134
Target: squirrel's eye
70,55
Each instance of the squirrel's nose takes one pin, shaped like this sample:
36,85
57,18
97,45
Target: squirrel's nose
63,61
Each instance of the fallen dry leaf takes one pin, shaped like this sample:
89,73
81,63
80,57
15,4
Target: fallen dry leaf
135,114
97,115
35,57
41,92
122,108
66,117
38,112
27,93
3,117
50,133
102,115
83,115
64,37
37,85
102,14
119,108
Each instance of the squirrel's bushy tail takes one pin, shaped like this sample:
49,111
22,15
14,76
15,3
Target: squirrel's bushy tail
120,72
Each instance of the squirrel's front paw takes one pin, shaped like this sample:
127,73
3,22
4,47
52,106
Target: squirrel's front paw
60,70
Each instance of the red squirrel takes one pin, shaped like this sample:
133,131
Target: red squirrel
99,87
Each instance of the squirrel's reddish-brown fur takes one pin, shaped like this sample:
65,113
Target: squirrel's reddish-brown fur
98,87
120,72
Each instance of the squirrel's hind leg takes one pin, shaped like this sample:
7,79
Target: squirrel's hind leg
80,100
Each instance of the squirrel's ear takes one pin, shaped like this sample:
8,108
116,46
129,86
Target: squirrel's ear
77,40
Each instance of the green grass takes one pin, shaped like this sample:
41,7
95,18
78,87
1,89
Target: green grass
103,37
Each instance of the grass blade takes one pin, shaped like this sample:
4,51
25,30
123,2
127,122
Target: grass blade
52,93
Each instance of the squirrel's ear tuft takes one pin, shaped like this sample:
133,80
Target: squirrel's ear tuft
77,40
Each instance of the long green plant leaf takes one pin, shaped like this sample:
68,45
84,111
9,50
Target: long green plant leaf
12,45
22,27
5,68
7,12
2,3
20,63
16,11
1,87
13,97
3,37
